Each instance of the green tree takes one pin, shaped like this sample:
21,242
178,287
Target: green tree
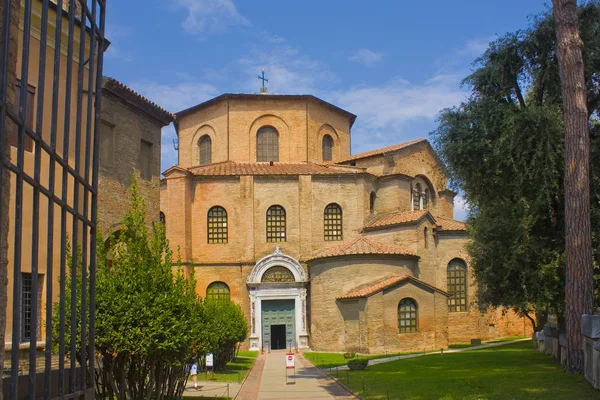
148,316
224,327
504,147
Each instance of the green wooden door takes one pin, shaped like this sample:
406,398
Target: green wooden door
278,312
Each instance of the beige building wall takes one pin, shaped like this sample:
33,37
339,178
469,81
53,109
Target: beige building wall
232,121
369,323
29,215
129,127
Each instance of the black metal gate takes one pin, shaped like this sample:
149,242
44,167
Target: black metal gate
50,90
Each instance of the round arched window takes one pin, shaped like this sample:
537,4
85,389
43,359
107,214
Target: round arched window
267,144
278,274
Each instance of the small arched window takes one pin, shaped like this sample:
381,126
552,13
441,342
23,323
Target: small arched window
205,150
372,202
332,222
278,274
425,199
407,316
216,223
457,286
276,224
217,291
162,218
327,148
416,197
425,238
267,144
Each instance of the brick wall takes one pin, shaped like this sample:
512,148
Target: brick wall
130,127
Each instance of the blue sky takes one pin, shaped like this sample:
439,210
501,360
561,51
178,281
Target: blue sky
393,63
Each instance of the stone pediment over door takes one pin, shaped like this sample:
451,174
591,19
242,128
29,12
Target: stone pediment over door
277,259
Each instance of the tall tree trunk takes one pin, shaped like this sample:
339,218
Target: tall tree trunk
579,283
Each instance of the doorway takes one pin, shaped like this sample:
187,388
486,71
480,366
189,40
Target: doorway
278,337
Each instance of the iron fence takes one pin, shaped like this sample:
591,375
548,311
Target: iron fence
50,91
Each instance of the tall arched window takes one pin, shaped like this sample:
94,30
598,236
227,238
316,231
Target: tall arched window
417,197
216,223
218,291
267,144
332,222
425,238
276,224
327,148
372,202
204,147
425,199
457,285
162,218
407,316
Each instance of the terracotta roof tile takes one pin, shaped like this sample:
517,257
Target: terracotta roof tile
302,168
382,150
122,90
451,224
359,246
399,218
368,290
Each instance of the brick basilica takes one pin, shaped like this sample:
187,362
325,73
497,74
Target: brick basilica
321,248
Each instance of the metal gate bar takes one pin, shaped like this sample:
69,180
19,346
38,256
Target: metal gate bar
78,198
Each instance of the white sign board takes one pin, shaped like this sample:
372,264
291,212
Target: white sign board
209,360
289,360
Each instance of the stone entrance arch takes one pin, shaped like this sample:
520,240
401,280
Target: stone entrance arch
265,295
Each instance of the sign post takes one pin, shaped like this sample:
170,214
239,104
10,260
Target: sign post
210,364
290,363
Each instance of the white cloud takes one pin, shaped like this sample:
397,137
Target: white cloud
288,70
178,96
384,110
476,46
208,17
367,57
117,54
461,208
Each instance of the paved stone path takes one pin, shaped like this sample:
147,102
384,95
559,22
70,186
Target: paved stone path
267,380
211,389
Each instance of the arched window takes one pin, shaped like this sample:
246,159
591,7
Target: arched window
332,221
416,197
276,224
457,286
278,274
425,199
162,218
267,144
217,225
372,202
407,316
425,237
204,147
217,291
327,148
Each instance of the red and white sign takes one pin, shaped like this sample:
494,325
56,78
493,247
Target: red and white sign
289,360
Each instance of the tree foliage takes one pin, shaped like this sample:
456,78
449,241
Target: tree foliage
149,319
224,327
504,147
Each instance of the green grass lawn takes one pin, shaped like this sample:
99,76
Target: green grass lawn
513,371
329,360
235,371
506,339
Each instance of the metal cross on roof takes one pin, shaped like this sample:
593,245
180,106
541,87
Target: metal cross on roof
263,89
